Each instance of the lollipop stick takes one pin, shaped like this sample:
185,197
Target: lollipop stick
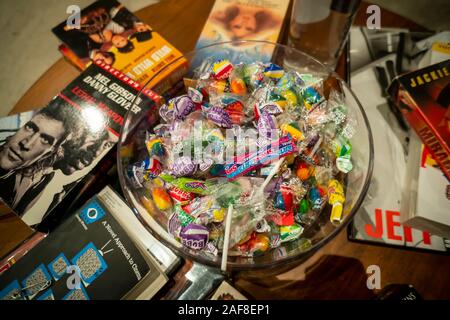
227,238
270,176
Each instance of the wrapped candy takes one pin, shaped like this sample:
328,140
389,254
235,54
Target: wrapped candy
220,117
336,198
161,199
289,149
222,69
194,236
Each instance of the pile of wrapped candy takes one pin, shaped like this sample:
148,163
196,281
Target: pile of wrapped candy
255,137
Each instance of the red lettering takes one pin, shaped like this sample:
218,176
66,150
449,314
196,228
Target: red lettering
390,224
408,234
378,231
426,238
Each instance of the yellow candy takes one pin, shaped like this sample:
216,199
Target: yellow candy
336,198
261,243
290,96
294,132
161,199
218,214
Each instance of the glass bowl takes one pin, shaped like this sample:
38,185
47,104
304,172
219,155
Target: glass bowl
131,149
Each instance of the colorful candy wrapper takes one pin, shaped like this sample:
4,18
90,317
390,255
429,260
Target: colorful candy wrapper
183,106
195,95
162,130
336,198
284,199
194,236
180,196
316,199
144,171
222,69
290,233
220,117
245,163
189,185
273,71
257,244
267,125
154,146
311,97
167,112
183,166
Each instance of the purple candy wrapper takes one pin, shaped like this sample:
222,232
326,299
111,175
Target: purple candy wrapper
183,166
194,236
220,117
174,225
183,106
267,125
271,108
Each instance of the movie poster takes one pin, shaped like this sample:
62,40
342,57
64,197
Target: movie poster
242,20
59,144
110,33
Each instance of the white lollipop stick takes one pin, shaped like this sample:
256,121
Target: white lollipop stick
270,176
227,238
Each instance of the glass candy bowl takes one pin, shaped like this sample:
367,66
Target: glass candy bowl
131,149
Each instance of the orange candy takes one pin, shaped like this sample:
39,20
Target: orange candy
161,199
238,86
303,171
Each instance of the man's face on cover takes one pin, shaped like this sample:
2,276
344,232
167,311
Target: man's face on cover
32,142
75,160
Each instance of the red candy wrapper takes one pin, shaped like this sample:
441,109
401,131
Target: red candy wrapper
180,196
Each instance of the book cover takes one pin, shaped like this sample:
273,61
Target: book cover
232,20
227,292
383,227
425,199
62,142
89,257
423,96
381,220
378,219
162,255
110,33
434,188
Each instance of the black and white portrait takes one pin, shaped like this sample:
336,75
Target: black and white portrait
46,155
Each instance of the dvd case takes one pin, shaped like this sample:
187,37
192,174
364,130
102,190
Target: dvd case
53,150
88,257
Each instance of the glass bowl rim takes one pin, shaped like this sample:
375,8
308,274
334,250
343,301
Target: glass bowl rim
269,264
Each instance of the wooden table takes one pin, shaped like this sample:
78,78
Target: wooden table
338,270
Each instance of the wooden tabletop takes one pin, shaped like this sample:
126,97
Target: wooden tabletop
338,270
